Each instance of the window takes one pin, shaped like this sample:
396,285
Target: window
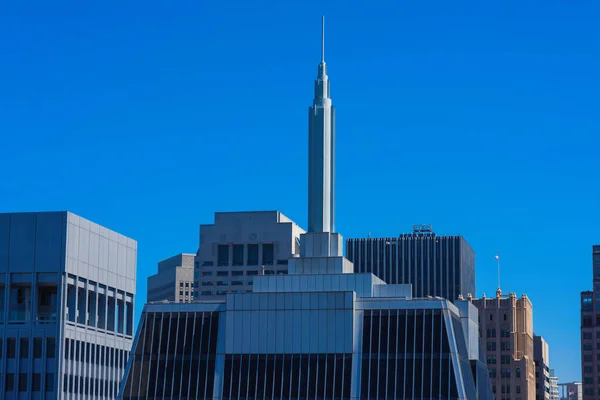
282,262
222,273
588,335
37,348
518,372
50,382
50,348
587,321
222,283
236,283
250,282
238,255
208,264
10,382
505,316
237,273
268,254
207,273
252,273
23,382
207,283
36,382
206,292
11,348
222,255
252,254
24,350
491,317
493,332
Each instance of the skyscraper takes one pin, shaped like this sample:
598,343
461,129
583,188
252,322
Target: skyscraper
67,289
434,265
174,280
320,332
590,332
241,245
506,329
321,152
542,368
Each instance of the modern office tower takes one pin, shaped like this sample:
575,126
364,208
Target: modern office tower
441,266
542,368
67,289
590,332
174,280
320,332
553,386
571,391
240,246
506,328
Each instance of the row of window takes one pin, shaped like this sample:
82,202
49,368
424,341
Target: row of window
590,357
90,353
492,317
226,283
590,346
23,384
221,292
91,386
24,348
20,304
504,359
589,336
504,332
504,372
491,346
506,389
237,255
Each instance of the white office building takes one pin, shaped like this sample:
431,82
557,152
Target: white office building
67,289
174,280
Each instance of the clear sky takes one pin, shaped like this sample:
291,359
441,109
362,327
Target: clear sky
478,117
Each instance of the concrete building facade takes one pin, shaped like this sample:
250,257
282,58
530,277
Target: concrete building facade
554,394
506,328
174,280
541,357
240,246
434,265
67,290
571,391
590,332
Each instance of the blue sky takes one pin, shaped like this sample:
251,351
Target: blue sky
478,117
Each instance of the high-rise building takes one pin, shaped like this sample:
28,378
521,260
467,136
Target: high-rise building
506,329
554,395
174,280
240,246
542,368
571,391
320,331
67,289
441,266
590,332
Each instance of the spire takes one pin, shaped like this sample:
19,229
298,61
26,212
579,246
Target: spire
323,39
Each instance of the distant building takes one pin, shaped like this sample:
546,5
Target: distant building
506,328
241,245
590,332
434,265
554,395
67,290
174,280
571,391
542,368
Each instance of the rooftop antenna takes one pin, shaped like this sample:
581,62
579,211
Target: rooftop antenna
323,39
498,259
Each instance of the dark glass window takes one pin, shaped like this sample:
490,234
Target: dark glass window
207,264
238,254
24,350
252,254
37,348
23,382
223,255
11,348
36,382
268,254
50,348
10,382
282,262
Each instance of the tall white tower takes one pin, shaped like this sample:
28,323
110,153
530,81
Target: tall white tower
321,152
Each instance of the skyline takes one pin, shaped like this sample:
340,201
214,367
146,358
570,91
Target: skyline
132,111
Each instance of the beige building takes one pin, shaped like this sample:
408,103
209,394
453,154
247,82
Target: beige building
506,329
174,280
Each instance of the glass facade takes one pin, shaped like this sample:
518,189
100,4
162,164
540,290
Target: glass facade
441,266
